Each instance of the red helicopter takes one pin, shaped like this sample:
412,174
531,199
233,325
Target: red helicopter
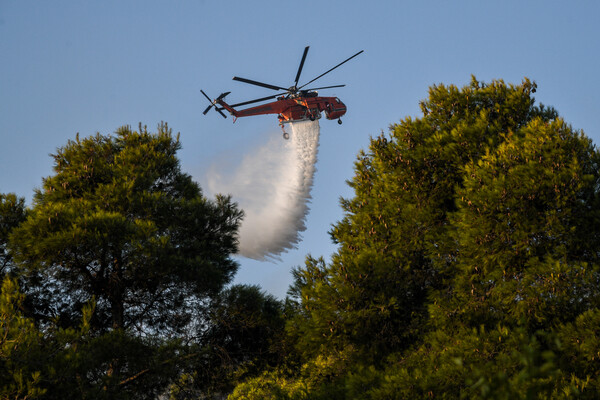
294,104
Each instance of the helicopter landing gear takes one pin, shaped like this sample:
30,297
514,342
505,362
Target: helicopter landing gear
339,121
286,135
311,117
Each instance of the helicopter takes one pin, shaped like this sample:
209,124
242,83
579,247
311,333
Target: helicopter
294,104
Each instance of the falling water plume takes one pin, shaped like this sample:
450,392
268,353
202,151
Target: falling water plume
272,185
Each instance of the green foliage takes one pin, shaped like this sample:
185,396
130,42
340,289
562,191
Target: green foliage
116,365
244,336
119,221
395,242
20,345
525,231
70,363
467,264
472,364
467,267
12,213
580,355
323,377
120,227
245,324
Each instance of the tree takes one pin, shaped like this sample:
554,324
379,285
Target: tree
467,260
523,279
394,242
119,224
20,345
526,232
243,337
12,213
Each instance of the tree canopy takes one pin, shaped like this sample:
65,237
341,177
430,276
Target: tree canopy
12,213
120,223
467,266
467,261
118,257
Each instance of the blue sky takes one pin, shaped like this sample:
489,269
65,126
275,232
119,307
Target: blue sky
87,67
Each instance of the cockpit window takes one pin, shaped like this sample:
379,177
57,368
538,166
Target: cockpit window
337,100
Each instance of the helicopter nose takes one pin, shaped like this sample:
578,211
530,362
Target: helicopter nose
336,109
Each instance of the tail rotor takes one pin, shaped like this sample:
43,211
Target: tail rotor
213,103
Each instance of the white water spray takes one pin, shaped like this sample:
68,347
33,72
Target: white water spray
272,186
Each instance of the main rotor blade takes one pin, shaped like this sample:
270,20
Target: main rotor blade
325,73
325,87
222,95
301,66
256,100
265,85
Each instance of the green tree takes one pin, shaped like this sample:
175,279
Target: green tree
467,263
526,232
243,337
12,213
395,242
20,346
527,263
245,329
120,224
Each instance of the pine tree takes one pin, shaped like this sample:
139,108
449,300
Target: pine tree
119,224
12,213
394,240
467,263
245,328
20,347
526,232
522,280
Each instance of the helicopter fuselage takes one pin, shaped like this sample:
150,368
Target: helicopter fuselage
294,108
